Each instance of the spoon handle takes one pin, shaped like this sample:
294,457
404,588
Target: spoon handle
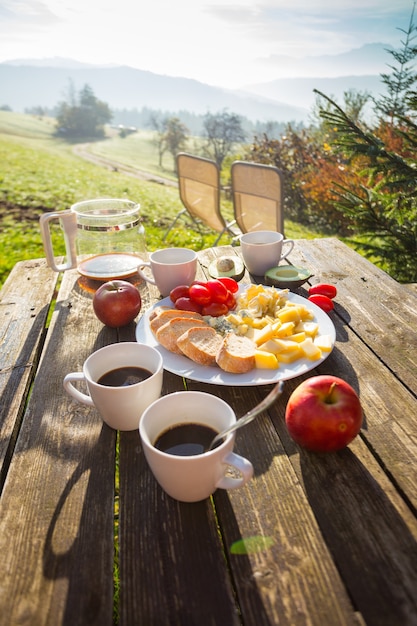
266,402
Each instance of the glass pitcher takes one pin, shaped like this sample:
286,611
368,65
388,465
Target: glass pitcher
104,238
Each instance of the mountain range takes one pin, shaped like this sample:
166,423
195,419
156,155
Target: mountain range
26,83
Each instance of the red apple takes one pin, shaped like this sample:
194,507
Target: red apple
116,303
323,414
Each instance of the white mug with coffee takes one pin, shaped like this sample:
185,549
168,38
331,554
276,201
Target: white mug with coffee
176,430
122,380
262,250
169,268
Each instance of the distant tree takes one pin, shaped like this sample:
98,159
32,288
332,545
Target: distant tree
223,130
171,134
382,203
5,107
175,137
82,116
157,123
402,79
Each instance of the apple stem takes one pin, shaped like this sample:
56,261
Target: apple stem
329,397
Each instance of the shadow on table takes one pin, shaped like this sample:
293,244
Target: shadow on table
372,546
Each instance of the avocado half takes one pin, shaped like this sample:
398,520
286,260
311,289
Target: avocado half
225,266
287,276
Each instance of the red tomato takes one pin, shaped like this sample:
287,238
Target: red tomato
323,289
218,291
229,283
322,301
186,304
215,309
200,294
179,292
231,301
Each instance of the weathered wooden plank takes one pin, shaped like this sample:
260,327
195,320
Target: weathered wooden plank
56,509
389,426
282,568
178,575
378,504
24,304
379,309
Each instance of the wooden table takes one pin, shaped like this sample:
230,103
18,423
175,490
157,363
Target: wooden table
311,540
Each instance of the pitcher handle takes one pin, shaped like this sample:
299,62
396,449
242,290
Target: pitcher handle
69,224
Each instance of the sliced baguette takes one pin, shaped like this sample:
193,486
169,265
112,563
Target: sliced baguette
169,332
236,354
200,344
164,315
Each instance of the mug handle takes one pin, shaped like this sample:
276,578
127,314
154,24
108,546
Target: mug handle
69,224
242,465
149,279
290,243
75,393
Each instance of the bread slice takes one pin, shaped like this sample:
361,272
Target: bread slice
169,332
236,354
164,315
200,344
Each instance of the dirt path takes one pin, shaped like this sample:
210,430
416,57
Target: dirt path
82,150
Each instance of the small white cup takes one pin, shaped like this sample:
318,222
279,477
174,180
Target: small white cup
170,267
192,478
120,407
262,250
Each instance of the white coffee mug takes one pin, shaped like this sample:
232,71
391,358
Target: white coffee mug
262,250
120,407
192,478
169,268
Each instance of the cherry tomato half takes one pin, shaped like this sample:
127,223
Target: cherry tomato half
323,289
231,301
218,291
179,292
322,301
229,283
200,294
186,304
215,309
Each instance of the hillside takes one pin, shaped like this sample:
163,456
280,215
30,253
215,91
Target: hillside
26,86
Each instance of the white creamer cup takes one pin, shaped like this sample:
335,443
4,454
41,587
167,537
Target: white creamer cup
169,268
192,478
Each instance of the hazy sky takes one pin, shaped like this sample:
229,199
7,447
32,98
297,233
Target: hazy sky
221,42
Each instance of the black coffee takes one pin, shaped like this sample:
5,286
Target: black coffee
124,376
185,439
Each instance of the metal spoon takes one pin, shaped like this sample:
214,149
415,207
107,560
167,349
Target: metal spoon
266,402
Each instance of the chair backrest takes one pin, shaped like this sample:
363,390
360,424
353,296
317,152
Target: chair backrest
257,193
199,188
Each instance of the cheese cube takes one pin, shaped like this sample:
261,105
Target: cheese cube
289,314
285,329
310,350
324,342
290,357
265,360
266,333
309,328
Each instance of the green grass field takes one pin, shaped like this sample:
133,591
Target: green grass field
41,173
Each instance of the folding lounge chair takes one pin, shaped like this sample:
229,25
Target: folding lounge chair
199,188
257,192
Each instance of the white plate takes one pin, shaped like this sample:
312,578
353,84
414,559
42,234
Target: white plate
183,366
